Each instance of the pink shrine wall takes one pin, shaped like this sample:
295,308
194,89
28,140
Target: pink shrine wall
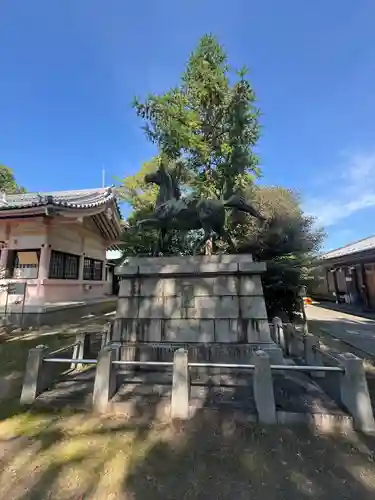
83,240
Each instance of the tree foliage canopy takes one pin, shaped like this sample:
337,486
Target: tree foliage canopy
207,122
206,129
8,182
287,243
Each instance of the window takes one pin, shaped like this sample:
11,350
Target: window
25,264
87,269
92,269
63,266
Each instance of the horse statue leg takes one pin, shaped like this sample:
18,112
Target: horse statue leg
224,235
160,242
238,202
148,222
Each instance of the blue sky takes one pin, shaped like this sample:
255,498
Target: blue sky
69,71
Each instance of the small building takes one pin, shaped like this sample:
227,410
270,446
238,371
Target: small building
347,275
53,252
113,257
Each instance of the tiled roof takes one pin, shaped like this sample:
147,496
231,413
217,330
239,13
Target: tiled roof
357,246
80,198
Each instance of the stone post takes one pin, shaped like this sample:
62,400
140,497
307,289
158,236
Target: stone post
106,334
312,355
287,337
105,384
293,342
35,380
279,332
275,354
116,330
355,395
180,385
81,350
263,388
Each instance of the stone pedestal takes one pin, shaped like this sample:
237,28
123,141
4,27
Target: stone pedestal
214,301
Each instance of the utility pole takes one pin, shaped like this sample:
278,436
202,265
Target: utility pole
103,177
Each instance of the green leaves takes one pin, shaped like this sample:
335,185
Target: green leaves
208,121
287,243
205,129
134,190
8,183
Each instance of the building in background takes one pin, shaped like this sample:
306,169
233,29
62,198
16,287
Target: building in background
347,275
113,257
54,251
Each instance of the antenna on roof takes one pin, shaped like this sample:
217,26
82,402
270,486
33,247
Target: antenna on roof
103,177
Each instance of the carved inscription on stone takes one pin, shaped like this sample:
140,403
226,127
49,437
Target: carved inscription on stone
187,296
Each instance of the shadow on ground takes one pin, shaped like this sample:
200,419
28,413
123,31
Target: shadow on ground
14,348
341,334
64,454
84,456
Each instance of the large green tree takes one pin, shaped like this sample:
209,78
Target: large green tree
8,182
287,243
210,121
206,129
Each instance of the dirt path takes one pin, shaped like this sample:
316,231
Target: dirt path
85,457
353,331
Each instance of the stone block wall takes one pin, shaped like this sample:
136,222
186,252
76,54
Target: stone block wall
205,300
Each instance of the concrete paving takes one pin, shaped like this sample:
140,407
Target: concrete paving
356,331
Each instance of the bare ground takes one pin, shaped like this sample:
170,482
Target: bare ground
333,345
79,456
76,455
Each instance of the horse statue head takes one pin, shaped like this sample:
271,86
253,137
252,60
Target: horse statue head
166,181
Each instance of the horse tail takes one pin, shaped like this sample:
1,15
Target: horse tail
238,202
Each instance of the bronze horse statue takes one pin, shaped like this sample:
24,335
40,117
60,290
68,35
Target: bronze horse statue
174,212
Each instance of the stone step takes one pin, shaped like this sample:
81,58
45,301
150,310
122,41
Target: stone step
73,389
295,393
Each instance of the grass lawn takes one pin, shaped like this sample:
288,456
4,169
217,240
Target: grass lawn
74,455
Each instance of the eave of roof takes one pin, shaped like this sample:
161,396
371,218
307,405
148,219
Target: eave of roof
356,247
89,202
81,199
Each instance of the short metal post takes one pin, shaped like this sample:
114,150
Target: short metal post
35,380
355,394
180,385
